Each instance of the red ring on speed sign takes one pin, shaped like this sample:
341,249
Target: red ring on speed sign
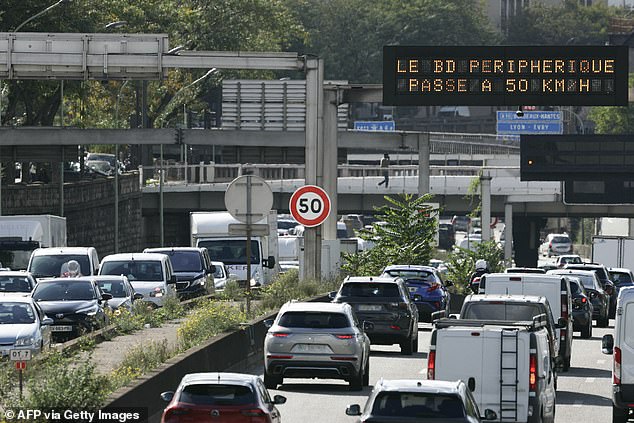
310,205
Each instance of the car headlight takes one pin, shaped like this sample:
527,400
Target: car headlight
89,311
157,292
23,342
199,281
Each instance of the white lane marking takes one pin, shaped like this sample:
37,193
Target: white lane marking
600,361
578,403
589,380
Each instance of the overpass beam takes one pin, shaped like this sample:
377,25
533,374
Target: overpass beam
485,193
508,232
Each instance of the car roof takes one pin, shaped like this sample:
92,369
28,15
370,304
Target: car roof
611,269
15,273
306,306
109,277
581,265
358,279
571,271
17,299
419,385
505,298
78,279
61,251
217,263
135,256
219,378
169,249
409,267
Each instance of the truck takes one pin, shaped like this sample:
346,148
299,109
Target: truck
220,234
613,251
20,235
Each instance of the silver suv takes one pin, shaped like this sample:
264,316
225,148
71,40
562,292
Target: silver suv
316,340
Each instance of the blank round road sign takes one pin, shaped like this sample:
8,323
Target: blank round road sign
310,205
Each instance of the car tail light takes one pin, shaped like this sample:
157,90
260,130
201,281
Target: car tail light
279,357
431,365
401,306
433,287
344,336
532,373
280,334
564,306
437,304
584,300
617,366
254,412
172,413
395,327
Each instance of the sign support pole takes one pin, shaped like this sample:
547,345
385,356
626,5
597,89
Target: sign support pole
248,251
20,380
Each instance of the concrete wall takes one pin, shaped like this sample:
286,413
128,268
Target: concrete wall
88,208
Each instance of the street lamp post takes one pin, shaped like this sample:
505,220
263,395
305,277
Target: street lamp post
37,15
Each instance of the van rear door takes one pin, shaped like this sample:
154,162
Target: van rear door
626,335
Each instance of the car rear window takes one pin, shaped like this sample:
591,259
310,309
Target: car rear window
417,274
561,240
501,311
621,278
314,320
214,394
418,404
370,289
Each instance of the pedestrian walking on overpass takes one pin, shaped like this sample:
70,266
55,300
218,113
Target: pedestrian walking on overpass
385,167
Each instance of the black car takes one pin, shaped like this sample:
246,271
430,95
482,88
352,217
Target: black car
76,305
604,278
599,298
581,308
385,302
192,268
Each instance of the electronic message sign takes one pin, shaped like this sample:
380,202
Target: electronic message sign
505,75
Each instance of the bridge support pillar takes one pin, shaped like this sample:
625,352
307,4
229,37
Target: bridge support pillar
423,164
329,227
508,232
526,236
485,194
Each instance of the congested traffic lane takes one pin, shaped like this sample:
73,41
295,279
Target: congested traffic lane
583,392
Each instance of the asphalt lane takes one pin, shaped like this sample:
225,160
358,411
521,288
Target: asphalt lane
583,392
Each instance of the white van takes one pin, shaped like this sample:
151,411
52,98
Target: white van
48,263
507,365
621,345
556,288
150,274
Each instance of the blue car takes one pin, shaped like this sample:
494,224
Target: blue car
426,288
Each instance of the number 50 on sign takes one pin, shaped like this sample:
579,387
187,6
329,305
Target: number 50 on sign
310,205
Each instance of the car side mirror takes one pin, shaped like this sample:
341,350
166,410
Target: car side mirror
353,410
137,296
367,326
490,414
167,396
607,344
279,399
106,296
212,269
269,262
332,295
561,323
268,323
47,321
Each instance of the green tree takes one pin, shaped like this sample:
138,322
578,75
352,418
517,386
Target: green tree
404,234
461,262
612,120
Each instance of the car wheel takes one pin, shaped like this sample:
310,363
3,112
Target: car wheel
271,381
366,374
407,346
586,333
356,381
619,415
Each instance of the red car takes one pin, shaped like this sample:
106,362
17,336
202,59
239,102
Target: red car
221,397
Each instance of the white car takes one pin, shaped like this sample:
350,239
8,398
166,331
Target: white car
556,244
222,275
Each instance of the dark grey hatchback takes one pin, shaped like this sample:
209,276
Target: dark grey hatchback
384,302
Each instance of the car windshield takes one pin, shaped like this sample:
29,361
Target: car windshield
114,287
621,278
64,290
184,261
135,270
314,320
369,289
216,394
16,313
409,273
587,281
51,265
499,310
574,288
418,404
573,260
219,273
231,251
15,284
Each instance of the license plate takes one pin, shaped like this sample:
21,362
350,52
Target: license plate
62,328
366,307
311,348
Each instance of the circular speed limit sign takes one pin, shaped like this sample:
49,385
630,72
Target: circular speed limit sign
310,205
